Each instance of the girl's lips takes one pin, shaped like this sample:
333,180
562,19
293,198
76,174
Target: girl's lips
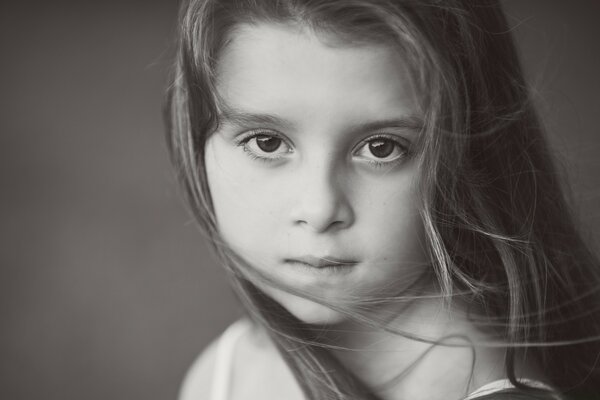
322,262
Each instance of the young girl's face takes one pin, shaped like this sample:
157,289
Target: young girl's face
311,172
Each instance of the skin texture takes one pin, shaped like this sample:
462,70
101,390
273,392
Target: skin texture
323,192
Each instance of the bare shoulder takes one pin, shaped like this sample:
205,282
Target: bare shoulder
246,355
197,383
199,380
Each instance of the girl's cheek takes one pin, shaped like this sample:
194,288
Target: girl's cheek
245,196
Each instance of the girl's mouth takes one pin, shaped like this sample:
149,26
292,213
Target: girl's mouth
322,261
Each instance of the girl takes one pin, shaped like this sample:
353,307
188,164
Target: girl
376,182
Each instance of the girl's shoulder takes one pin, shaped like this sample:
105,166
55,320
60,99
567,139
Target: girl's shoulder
210,366
232,365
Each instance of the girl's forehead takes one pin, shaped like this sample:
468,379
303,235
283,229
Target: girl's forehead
281,66
269,39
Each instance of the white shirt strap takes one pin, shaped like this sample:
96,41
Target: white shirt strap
503,384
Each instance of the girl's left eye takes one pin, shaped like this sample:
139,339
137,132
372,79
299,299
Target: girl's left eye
381,150
265,146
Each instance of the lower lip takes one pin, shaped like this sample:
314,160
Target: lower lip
328,269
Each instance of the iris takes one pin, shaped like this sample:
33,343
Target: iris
268,144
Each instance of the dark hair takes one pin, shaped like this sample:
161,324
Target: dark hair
499,230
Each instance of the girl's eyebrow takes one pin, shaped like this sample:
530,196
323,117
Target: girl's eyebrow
242,119
409,122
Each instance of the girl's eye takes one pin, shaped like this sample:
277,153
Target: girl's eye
264,146
381,150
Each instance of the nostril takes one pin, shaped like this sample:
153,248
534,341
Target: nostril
322,227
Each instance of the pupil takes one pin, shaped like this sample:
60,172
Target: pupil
268,144
381,148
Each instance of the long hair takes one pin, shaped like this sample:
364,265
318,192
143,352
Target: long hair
499,229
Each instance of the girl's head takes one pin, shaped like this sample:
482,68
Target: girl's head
311,171
349,153
324,83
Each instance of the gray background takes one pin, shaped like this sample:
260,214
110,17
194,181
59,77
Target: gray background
107,290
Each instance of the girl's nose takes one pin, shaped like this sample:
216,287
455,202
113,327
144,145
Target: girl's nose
321,203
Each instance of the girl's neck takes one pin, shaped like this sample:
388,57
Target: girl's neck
427,343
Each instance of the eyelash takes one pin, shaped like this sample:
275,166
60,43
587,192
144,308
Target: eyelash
244,139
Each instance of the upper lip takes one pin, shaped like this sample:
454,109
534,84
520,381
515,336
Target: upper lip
322,261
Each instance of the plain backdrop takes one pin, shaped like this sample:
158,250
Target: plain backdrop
107,289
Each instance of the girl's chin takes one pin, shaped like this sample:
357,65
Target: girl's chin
306,310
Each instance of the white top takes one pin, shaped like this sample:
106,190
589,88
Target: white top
229,338
503,384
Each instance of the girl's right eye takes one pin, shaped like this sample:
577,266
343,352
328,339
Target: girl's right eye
264,146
